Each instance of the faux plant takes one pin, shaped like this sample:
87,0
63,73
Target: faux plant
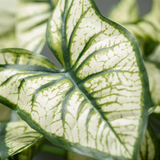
98,104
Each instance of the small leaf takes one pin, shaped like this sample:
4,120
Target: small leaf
150,146
26,154
126,11
98,104
16,137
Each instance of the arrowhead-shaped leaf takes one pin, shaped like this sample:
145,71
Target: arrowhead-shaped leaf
98,104
16,137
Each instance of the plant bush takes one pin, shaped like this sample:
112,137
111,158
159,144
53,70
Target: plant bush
100,104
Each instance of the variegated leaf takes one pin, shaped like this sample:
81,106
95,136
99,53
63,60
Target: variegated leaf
16,137
28,32
125,11
23,24
149,149
31,26
7,23
147,29
26,154
97,106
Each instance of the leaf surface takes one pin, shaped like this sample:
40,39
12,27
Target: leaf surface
98,104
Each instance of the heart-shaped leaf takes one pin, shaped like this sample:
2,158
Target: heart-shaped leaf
16,137
98,104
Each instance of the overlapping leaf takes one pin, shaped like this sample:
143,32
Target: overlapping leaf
147,29
27,154
150,147
98,104
154,75
126,11
16,137
7,23
23,24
